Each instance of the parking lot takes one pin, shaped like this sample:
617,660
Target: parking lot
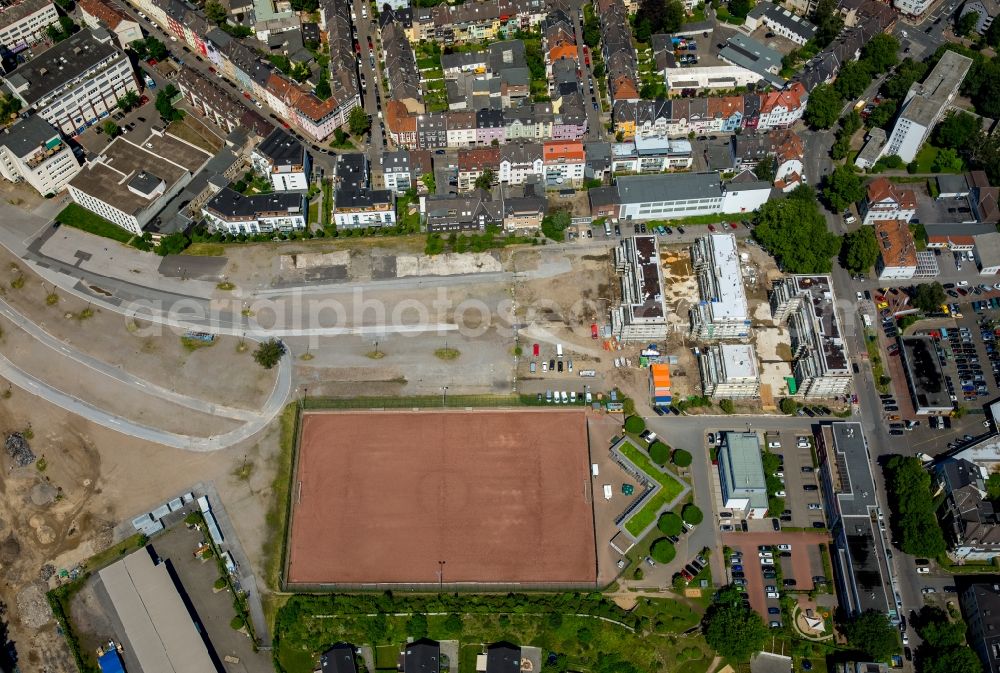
967,348
768,565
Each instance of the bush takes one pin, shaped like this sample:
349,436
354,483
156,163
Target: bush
663,550
237,623
634,424
681,458
669,524
220,583
692,515
727,406
659,452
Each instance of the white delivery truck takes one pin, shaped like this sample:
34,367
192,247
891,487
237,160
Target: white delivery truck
559,352
607,491
594,469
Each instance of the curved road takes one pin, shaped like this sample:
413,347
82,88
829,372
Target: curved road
118,374
46,391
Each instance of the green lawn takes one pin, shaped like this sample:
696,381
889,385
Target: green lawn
429,62
568,624
925,159
78,217
670,488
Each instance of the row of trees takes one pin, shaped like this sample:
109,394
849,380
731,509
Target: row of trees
914,520
148,48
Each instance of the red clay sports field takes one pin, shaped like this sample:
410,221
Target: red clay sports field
500,496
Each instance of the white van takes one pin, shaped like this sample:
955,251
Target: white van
607,229
559,352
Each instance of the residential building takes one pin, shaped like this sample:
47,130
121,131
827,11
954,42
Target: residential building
956,237
563,163
401,68
523,206
421,656
218,105
338,659
675,195
924,376
897,251
109,14
642,313
233,213
396,174
925,103
780,21
781,109
741,474
75,83
987,253
129,183
472,163
730,371
651,154
24,23
283,160
157,629
748,53
913,8
466,212
499,658
884,200
968,518
519,162
864,20
980,603
33,151
858,552
820,362
985,10
722,312
784,146
355,208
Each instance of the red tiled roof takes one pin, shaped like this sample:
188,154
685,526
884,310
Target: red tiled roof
105,12
398,119
479,158
881,189
724,106
790,98
555,150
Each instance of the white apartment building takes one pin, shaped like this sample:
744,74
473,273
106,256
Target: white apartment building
75,83
23,24
730,371
234,213
781,22
673,195
518,161
709,77
284,160
912,7
129,183
924,105
722,312
642,313
33,151
820,361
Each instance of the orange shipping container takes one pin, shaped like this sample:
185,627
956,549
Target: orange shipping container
661,376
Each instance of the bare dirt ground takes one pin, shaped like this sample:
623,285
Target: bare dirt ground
92,480
218,373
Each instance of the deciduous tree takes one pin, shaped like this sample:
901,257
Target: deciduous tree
860,251
795,233
267,355
928,297
957,131
871,633
842,188
734,631
881,52
669,524
823,107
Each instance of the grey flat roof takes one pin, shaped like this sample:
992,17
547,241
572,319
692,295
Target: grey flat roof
668,187
856,489
15,12
157,624
282,149
27,135
988,248
750,54
61,64
924,373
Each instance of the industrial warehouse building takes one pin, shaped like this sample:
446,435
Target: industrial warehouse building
741,474
158,628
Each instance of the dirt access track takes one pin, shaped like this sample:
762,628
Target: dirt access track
459,497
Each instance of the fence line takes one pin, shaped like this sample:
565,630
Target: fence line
631,629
